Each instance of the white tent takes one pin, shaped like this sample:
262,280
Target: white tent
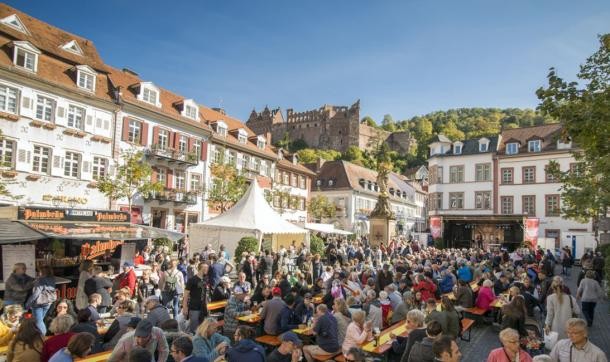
250,216
325,228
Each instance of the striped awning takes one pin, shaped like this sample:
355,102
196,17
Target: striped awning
15,232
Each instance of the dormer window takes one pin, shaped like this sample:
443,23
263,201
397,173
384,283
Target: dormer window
14,22
149,94
457,148
534,146
72,47
260,142
26,55
331,182
483,146
512,148
221,128
190,109
85,77
242,136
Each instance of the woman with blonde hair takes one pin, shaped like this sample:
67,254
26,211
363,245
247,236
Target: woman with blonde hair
559,308
9,323
27,344
343,316
357,332
207,342
86,272
510,350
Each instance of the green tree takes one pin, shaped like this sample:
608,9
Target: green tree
369,122
388,123
320,208
246,244
297,145
310,155
584,112
316,245
133,177
353,154
228,186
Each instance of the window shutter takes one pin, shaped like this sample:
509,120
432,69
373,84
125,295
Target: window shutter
111,170
106,124
204,151
89,120
170,179
27,102
125,136
190,144
155,135
61,112
21,155
144,139
86,166
56,161
153,176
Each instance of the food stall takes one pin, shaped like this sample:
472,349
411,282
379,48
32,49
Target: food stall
63,238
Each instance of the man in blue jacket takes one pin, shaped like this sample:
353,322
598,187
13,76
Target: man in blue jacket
245,349
288,317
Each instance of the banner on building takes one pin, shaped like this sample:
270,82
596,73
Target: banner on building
531,231
435,226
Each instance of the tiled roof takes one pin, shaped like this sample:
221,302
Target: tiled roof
50,39
440,138
347,175
549,134
471,147
283,163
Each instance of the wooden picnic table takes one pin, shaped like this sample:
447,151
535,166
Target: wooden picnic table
253,318
97,357
385,342
317,299
3,350
217,305
103,328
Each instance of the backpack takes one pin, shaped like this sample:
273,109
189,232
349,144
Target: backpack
170,282
47,296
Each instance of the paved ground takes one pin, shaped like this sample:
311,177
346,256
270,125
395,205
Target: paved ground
485,337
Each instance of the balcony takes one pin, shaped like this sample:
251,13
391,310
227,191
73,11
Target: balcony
175,196
171,155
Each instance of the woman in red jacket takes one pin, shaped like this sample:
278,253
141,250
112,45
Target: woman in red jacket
486,295
426,287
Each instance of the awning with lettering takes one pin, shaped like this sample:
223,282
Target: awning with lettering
100,231
14,232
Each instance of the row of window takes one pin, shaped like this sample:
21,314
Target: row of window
483,202
289,202
177,179
41,157
290,179
241,161
532,146
483,173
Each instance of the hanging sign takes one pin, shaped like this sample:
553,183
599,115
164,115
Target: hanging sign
98,248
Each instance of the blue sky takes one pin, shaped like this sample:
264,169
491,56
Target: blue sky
405,58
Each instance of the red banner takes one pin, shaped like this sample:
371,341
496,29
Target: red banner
531,231
435,226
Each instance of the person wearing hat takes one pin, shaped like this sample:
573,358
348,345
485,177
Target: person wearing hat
236,307
288,351
272,311
144,336
157,314
127,279
222,290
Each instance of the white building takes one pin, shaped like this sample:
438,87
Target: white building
56,115
497,189
290,188
354,191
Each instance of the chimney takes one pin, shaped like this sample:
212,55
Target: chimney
129,71
268,137
295,159
220,110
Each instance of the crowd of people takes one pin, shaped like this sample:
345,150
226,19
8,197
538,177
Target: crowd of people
336,301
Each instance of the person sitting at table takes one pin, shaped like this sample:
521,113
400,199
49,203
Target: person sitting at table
144,336
451,317
422,350
288,351
182,350
208,343
464,296
510,350
325,330
60,307
486,296
272,311
236,307
343,317
288,318
400,312
513,315
85,324
101,285
157,313
372,307
27,344
79,346
502,284
357,332
245,348
417,331
60,327
305,309
242,284
446,284
222,290
125,312
433,314
94,301
9,323
318,287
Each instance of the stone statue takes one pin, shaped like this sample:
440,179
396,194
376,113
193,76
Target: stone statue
383,171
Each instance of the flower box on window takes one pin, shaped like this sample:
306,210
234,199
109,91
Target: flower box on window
101,139
92,184
9,173
9,116
32,177
74,132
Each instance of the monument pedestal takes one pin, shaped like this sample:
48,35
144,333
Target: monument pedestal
382,229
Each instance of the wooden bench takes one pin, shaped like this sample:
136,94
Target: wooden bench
340,358
269,340
327,357
467,324
97,357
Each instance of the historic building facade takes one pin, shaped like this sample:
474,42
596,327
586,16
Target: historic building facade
328,127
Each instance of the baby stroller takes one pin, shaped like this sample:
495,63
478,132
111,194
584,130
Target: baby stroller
533,343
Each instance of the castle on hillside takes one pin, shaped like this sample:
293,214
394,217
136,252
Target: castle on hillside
328,127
